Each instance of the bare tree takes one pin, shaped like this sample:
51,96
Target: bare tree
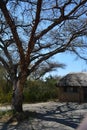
32,31
44,68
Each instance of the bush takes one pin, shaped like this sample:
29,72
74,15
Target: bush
5,92
38,91
34,91
5,97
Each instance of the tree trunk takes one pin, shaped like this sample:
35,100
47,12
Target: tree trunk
17,98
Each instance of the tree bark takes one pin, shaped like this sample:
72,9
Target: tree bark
17,97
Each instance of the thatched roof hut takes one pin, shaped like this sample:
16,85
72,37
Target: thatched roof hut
73,87
74,79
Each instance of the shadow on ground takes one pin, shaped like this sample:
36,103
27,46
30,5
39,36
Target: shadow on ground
17,120
66,115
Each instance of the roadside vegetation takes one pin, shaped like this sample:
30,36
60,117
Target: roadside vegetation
34,91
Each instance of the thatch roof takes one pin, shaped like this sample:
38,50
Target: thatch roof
74,79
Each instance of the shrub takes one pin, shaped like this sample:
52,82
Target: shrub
34,91
5,98
38,91
5,92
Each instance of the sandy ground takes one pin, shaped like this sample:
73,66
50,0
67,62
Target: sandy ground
50,116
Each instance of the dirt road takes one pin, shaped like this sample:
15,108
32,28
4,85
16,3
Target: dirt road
50,116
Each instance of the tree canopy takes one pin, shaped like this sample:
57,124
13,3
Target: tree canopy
32,31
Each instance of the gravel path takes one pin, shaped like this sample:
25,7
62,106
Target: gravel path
50,116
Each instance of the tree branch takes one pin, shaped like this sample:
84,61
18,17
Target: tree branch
76,7
11,23
32,37
4,48
4,63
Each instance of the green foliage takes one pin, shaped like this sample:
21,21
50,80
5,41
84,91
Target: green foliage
5,87
34,91
38,91
5,91
5,98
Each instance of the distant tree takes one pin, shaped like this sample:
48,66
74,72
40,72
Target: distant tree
53,79
45,68
32,31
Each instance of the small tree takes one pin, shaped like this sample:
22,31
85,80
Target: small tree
32,31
